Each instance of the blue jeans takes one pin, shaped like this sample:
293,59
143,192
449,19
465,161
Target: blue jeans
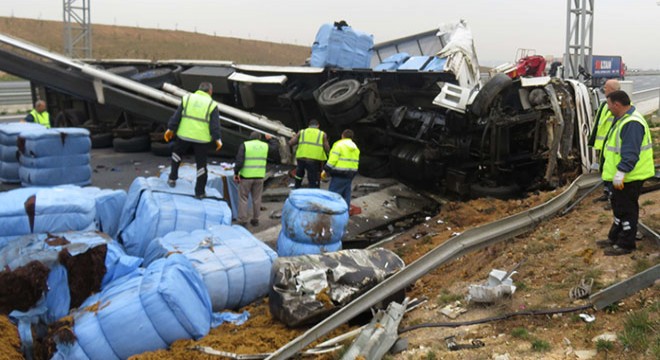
342,186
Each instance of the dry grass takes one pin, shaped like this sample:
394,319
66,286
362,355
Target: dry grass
129,42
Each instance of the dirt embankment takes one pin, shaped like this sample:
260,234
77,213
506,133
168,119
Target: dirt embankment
110,41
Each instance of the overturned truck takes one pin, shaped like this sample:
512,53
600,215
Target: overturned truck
417,105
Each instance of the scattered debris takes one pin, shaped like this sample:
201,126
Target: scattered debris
585,354
608,336
452,345
452,311
582,290
275,214
498,285
588,318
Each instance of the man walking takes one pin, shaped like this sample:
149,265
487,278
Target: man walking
196,123
39,114
312,148
628,161
602,126
343,165
249,173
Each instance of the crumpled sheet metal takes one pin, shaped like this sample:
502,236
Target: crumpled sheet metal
494,289
304,289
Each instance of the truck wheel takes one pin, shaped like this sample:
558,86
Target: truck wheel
100,141
347,117
156,77
160,148
376,167
134,144
125,71
482,102
339,97
498,192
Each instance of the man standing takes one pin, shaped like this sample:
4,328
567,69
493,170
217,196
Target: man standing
602,126
628,161
249,173
343,165
39,114
196,123
312,148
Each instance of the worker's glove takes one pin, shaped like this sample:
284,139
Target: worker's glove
218,145
617,182
169,134
237,179
324,175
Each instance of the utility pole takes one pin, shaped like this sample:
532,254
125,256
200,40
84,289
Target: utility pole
77,29
579,37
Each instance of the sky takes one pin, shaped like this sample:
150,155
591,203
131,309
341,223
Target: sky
629,28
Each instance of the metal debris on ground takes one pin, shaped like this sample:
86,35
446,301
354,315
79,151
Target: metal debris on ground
582,290
453,311
498,285
376,339
588,318
275,214
452,345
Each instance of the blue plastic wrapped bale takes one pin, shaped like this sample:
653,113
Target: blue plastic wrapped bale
415,63
297,282
9,172
392,62
314,216
54,142
40,210
288,247
47,162
234,264
8,136
65,267
153,210
341,46
219,178
109,204
436,64
145,311
74,175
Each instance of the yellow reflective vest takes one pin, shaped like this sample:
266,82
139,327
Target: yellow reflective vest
195,117
344,156
645,167
41,118
604,124
256,154
310,145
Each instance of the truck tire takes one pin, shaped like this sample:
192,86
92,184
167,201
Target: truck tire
155,77
339,97
376,167
102,140
347,117
135,144
161,149
124,71
484,99
503,192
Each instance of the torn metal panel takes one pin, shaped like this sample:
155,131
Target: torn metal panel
307,288
498,285
377,338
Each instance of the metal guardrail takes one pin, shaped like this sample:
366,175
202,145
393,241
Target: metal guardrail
648,100
15,93
465,243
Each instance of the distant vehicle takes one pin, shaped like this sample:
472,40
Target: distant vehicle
416,104
605,67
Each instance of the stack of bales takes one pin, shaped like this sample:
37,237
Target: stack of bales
313,222
8,149
54,157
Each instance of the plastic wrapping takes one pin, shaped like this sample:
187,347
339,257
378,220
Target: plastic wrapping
341,46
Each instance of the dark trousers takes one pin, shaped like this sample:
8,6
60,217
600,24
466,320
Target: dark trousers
342,186
625,206
200,149
313,169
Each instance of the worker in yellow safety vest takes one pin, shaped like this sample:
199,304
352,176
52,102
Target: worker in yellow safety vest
343,165
310,154
39,114
627,161
602,125
196,123
249,173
